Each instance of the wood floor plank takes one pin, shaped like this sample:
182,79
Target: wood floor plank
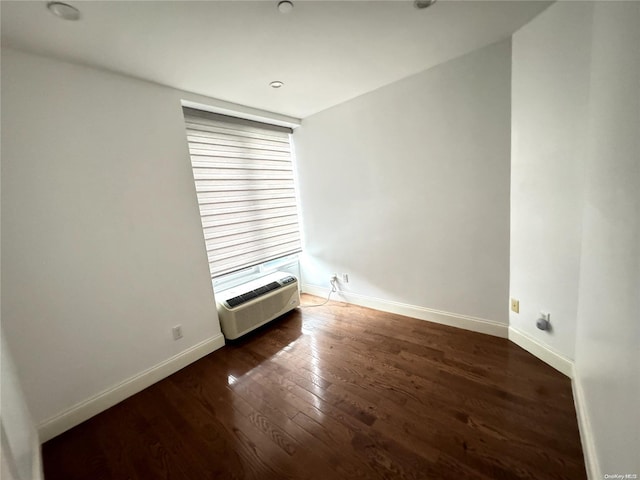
339,391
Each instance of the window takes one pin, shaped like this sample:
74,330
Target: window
246,192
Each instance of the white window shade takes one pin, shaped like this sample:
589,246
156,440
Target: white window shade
245,185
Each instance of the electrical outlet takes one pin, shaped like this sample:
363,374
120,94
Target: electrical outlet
515,305
345,278
177,332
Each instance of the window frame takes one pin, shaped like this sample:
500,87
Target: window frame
288,260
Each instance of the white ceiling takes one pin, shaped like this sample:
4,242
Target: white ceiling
326,52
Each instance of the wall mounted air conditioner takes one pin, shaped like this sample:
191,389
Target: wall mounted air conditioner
246,307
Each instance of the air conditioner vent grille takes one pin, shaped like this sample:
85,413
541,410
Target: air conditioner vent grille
251,294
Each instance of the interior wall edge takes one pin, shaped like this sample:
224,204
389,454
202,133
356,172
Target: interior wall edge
586,432
100,402
466,322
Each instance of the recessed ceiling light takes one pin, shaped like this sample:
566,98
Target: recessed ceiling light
276,84
423,3
64,10
285,6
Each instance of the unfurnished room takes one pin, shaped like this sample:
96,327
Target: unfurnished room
309,239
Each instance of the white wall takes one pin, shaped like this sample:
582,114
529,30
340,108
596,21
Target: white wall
575,238
102,248
407,188
550,94
608,336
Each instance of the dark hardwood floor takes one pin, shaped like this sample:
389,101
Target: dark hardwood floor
339,392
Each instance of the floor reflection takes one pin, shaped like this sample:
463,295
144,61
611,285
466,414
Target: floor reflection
281,335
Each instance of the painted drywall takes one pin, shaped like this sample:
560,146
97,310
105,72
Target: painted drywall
607,364
575,209
406,189
550,94
19,444
102,247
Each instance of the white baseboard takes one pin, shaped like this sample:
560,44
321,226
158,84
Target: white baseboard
544,353
98,403
586,434
480,325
